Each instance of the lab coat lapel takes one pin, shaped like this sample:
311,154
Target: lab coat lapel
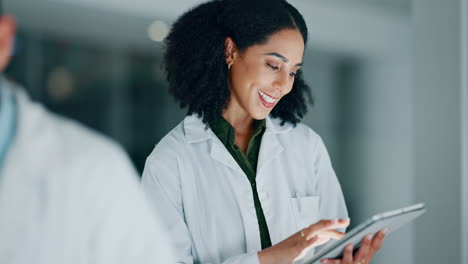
195,131
270,147
32,133
221,154
23,173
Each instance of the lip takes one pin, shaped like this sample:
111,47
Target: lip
275,98
265,103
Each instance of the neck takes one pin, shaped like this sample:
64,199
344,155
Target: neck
242,122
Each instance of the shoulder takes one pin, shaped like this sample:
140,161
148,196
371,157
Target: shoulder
71,159
170,145
86,142
300,135
65,140
183,138
81,141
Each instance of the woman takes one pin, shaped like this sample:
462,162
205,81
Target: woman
240,180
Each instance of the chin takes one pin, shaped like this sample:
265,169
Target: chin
259,115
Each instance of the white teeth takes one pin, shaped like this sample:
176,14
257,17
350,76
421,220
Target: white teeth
267,98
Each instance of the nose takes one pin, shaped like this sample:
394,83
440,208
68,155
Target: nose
281,82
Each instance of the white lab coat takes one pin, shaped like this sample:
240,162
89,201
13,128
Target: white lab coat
69,195
207,200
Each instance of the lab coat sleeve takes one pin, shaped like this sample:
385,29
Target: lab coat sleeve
161,182
126,229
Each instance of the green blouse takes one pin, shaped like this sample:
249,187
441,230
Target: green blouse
248,162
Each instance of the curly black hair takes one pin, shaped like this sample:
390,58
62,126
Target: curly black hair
195,59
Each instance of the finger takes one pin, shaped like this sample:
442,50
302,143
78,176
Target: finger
327,224
331,234
309,242
348,254
331,261
322,224
363,251
376,243
341,223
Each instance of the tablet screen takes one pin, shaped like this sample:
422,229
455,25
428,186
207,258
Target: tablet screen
392,220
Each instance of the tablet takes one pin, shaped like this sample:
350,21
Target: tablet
391,220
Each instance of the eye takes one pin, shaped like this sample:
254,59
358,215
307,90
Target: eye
292,74
273,67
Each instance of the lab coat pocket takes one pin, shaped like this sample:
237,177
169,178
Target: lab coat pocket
305,210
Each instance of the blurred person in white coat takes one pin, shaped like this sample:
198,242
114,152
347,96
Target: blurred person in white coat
67,194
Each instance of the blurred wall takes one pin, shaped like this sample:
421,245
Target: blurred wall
464,156
438,138
377,169
363,112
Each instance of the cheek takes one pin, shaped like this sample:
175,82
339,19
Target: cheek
289,88
254,78
262,77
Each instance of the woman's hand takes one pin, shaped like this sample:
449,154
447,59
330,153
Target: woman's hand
369,246
296,246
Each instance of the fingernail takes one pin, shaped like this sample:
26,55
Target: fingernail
369,237
385,231
349,247
324,261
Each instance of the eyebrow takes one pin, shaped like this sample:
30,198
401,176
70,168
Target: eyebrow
281,57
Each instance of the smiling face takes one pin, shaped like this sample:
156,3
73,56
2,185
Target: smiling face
262,74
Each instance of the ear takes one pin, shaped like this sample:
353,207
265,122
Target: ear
230,50
7,33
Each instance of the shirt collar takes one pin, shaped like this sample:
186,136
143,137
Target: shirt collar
195,130
226,133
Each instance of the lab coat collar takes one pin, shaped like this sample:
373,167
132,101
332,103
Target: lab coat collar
273,125
270,148
196,131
